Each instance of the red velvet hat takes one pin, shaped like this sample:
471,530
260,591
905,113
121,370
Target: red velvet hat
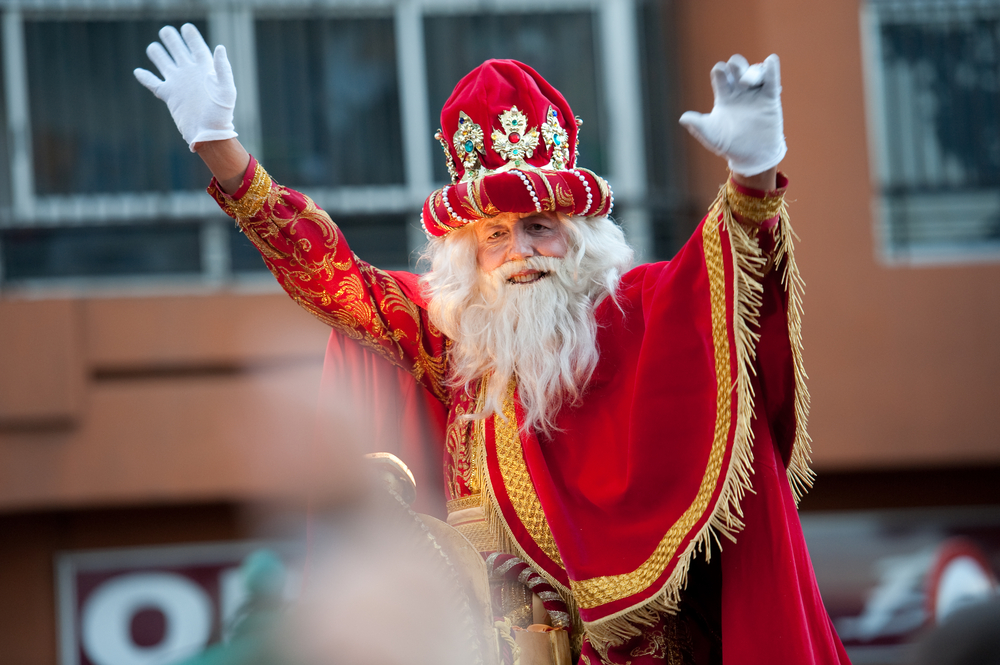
510,140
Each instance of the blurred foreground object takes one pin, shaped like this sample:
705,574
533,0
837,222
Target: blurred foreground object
969,636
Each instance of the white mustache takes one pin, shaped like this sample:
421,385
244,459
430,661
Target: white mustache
539,263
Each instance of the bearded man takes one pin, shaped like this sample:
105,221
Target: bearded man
604,425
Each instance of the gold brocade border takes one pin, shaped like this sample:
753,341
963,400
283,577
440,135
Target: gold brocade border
517,480
472,501
753,208
598,591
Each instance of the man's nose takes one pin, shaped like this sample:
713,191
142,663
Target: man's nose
521,247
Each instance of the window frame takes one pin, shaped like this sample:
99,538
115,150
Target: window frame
873,15
617,50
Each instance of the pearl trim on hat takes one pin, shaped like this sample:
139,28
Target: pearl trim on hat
452,213
531,189
590,196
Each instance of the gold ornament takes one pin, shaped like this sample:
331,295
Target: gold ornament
556,139
516,142
468,142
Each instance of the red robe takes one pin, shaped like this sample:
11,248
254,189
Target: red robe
691,433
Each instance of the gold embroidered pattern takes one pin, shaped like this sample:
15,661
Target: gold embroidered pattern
461,444
517,481
751,208
301,247
253,199
564,196
598,591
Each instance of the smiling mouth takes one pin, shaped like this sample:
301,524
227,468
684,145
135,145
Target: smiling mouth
527,277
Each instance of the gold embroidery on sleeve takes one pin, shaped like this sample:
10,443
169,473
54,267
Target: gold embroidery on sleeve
253,199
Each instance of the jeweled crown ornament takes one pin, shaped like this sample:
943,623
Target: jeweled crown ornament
513,148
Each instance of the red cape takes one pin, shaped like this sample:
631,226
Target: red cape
692,428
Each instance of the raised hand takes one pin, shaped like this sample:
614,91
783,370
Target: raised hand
745,125
197,85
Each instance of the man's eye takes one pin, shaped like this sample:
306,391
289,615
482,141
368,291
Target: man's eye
495,235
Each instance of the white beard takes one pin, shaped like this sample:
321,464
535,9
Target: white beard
543,333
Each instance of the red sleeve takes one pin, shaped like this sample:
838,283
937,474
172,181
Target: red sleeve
310,258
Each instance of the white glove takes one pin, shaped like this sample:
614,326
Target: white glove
745,125
197,87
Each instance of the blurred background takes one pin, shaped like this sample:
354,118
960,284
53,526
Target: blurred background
157,387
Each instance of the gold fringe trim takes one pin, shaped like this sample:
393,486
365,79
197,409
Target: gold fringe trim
800,473
726,520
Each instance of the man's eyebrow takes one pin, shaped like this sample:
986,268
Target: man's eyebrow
486,227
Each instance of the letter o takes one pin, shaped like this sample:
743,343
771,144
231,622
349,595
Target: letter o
107,616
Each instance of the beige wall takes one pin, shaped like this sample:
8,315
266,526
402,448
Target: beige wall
903,361
126,400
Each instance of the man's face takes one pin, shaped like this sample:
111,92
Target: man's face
509,237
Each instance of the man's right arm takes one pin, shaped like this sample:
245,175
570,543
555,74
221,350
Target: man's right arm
312,261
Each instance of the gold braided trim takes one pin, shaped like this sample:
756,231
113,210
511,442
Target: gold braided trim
752,208
724,519
472,501
504,537
248,205
517,480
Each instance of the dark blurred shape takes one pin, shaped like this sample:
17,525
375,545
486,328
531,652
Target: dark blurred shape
957,61
93,128
970,636
330,115
395,476
559,45
674,216
870,489
102,251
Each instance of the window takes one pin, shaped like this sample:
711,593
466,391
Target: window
337,98
934,93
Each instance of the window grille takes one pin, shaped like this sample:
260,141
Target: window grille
934,93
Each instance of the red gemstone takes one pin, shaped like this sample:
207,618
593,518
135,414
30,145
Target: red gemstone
514,137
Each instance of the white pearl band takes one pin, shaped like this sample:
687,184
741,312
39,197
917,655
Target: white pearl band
451,213
590,196
531,190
